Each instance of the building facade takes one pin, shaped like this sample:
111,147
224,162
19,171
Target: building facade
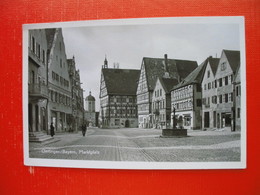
209,95
37,82
186,99
237,101
227,68
60,103
118,97
161,102
151,69
90,110
77,101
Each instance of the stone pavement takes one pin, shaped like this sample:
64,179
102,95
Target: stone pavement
141,145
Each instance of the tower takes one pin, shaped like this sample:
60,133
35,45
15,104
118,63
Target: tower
90,103
105,63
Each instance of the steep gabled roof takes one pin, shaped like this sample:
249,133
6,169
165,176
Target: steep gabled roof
237,77
168,83
155,67
50,33
195,76
185,67
233,58
121,81
213,62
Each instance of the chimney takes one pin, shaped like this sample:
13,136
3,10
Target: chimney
165,62
166,73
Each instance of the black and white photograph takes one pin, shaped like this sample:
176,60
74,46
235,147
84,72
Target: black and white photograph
151,93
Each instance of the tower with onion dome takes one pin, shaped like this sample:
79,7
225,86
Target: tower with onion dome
90,110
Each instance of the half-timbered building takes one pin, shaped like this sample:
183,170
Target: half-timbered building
186,99
118,97
151,69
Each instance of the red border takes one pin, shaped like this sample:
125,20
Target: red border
19,179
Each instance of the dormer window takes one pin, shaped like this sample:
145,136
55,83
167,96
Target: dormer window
223,66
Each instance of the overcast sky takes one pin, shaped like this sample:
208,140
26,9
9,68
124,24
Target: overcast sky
128,44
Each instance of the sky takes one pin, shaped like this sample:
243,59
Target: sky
128,44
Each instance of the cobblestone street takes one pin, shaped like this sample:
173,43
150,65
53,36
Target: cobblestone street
141,145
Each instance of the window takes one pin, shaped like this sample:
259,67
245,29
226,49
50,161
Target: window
43,56
32,77
205,87
163,104
220,99
198,88
220,82
230,97
117,121
38,50
208,73
51,94
61,63
198,102
209,85
238,112
226,80
204,101
238,90
216,84
56,97
231,78
160,92
226,97
33,45
223,66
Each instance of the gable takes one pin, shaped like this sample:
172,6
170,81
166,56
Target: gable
210,70
142,81
224,67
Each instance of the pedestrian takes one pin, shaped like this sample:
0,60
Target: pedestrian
52,129
84,129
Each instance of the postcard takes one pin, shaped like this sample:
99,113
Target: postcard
150,93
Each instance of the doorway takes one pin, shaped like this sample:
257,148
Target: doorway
206,119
